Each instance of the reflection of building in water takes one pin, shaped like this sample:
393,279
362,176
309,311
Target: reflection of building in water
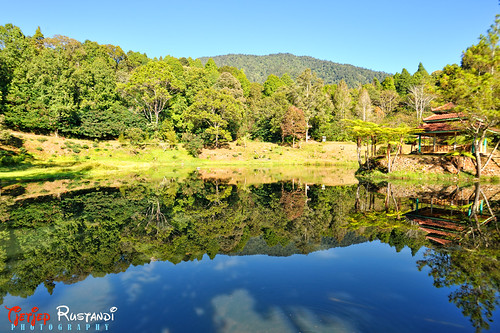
448,217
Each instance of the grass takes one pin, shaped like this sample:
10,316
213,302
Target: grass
59,157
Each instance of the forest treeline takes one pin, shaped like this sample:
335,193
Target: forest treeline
258,68
88,90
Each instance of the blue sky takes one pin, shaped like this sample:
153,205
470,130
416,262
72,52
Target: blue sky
377,34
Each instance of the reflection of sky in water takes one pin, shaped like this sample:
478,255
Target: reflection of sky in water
363,288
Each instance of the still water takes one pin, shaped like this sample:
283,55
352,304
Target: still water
208,255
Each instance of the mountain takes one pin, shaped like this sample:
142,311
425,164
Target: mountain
258,68
257,245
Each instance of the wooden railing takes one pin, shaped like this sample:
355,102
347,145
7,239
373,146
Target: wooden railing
444,148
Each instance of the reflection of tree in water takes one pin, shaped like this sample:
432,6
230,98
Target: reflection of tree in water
154,215
293,203
476,274
98,231
471,263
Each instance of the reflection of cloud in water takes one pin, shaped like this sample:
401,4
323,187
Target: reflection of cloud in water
447,323
326,254
133,291
227,263
349,302
309,322
90,295
236,313
134,280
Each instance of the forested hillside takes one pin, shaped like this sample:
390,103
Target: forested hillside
61,86
258,68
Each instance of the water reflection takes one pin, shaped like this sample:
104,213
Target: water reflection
467,256
97,229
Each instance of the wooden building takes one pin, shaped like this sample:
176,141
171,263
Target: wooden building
438,129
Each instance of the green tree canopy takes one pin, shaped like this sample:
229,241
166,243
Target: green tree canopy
214,114
152,86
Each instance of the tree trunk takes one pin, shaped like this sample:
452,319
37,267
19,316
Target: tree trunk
358,150
476,144
388,158
398,150
491,155
217,137
367,155
478,160
307,131
356,202
475,205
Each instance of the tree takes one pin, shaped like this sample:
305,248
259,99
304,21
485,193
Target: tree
361,131
364,131
109,123
388,84
15,49
42,95
475,88
342,100
293,124
309,95
136,59
394,137
403,82
287,80
152,86
215,113
115,53
212,70
419,99
38,38
272,84
269,113
229,83
484,57
388,101
421,75
364,105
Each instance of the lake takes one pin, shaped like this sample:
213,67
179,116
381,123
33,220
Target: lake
221,251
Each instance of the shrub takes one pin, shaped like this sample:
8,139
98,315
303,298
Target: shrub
166,132
193,144
109,123
135,135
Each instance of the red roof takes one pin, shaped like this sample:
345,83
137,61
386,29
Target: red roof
441,126
443,108
443,117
